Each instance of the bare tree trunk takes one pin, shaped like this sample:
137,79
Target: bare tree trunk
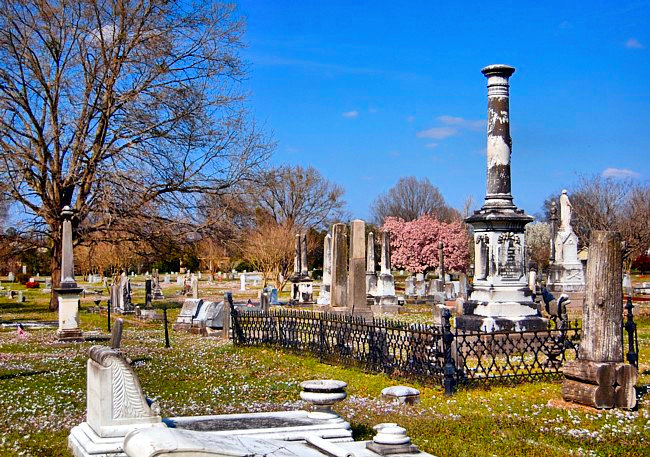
602,319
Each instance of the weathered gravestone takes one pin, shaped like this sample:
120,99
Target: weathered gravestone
599,378
339,286
189,311
357,302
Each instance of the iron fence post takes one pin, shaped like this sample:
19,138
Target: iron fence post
321,339
167,345
632,342
237,334
449,370
109,315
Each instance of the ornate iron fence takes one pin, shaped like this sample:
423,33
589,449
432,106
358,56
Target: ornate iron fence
380,345
432,354
514,356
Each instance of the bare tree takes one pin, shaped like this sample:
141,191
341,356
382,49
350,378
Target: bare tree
610,204
119,108
269,248
410,199
635,223
299,197
538,243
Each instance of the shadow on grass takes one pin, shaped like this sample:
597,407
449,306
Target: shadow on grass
22,374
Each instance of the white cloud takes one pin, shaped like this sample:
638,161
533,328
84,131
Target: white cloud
565,25
351,114
619,173
372,110
438,133
462,122
431,145
633,43
451,120
410,118
452,125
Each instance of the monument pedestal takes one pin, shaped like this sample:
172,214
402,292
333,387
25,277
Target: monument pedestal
477,323
69,330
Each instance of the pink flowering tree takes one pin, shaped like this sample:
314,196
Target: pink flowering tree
414,244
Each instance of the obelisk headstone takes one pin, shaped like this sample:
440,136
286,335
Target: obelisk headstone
339,289
68,292
296,258
304,270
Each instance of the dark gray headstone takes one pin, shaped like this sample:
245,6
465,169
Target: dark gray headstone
116,334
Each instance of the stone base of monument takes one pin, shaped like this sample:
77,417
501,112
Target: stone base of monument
500,316
69,336
69,330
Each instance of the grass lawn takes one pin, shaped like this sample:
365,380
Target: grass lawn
43,392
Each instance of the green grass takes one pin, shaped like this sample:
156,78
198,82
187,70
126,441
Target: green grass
42,394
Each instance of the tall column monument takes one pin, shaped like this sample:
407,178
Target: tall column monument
68,292
500,299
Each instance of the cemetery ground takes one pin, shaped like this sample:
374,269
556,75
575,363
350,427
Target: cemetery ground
43,391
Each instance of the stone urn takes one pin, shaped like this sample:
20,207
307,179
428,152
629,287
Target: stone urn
391,439
322,394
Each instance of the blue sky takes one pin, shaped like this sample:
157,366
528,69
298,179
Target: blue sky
369,91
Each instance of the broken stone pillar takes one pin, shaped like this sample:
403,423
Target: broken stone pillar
357,271
68,292
339,286
371,274
500,299
325,289
600,378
